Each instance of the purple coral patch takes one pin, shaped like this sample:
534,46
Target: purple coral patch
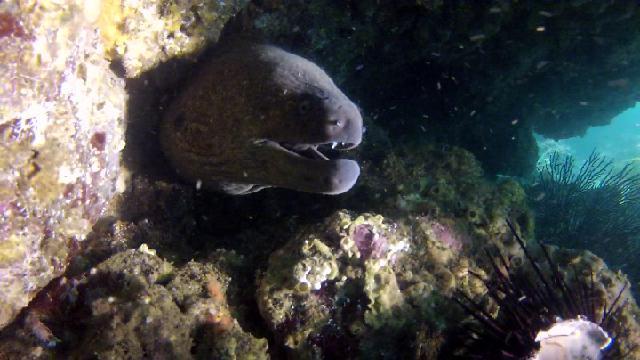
445,235
10,26
369,243
98,140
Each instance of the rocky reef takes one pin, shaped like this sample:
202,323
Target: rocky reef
141,34
436,180
115,257
362,286
536,288
62,119
353,285
136,305
356,285
62,125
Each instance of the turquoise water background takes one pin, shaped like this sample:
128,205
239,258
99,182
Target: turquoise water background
619,141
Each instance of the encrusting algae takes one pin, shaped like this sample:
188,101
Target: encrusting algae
62,119
334,288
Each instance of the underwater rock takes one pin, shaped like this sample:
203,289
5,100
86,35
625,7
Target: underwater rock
254,116
437,180
62,119
538,299
136,305
481,76
144,33
359,286
365,286
62,125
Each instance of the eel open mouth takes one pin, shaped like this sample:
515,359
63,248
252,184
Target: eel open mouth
327,151
315,168
324,151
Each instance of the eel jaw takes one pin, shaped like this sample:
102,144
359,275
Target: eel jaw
304,167
317,151
308,151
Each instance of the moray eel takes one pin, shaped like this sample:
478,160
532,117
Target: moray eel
256,116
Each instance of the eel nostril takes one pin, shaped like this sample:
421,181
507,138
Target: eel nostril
337,122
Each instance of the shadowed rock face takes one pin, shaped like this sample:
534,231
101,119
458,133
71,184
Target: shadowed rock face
256,116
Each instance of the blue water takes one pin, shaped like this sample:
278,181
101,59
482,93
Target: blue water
620,140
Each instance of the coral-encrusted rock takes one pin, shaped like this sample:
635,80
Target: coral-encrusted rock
359,285
439,181
134,313
62,125
581,268
576,284
135,305
144,33
62,119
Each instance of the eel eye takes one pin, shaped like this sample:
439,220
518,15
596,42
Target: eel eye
304,107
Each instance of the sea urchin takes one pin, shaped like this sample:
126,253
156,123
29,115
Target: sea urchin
538,317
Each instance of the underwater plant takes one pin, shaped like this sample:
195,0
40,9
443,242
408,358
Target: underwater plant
596,208
540,313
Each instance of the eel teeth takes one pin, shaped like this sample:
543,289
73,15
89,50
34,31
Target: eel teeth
317,154
259,141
